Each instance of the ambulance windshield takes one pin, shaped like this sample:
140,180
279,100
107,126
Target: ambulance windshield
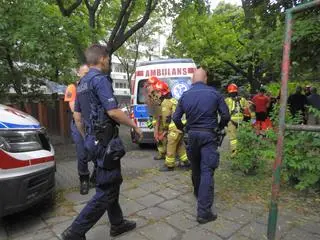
177,86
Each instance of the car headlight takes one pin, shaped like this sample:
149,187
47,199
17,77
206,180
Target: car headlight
20,141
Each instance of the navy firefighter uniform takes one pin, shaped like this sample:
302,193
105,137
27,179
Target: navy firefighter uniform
202,104
94,98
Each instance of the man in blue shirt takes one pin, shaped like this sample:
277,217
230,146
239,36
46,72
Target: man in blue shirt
96,110
202,104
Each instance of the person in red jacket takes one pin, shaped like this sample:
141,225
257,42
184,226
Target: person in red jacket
261,102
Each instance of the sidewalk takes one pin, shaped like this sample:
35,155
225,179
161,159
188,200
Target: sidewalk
165,209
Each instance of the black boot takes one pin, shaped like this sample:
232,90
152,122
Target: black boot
93,178
123,227
211,218
70,235
166,169
84,184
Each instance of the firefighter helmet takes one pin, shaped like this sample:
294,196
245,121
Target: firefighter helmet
152,80
232,88
162,87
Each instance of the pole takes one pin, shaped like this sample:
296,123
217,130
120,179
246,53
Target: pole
273,212
303,7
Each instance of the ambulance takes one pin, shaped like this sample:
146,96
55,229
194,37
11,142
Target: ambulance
177,73
27,164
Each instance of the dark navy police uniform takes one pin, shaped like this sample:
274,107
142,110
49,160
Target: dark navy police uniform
201,104
82,155
107,181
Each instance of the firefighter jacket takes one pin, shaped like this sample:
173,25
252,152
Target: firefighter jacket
168,107
238,108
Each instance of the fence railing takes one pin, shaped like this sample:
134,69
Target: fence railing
52,112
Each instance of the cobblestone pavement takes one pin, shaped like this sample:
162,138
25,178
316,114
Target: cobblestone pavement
162,204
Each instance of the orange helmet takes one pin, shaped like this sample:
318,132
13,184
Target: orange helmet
162,87
232,88
152,80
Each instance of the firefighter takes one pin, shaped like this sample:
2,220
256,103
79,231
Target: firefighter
154,106
239,110
175,141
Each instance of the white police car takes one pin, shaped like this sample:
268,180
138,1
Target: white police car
27,164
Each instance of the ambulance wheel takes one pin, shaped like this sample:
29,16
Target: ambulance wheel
142,145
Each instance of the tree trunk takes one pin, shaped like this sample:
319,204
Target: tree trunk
92,24
92,21
17,85
110,65
254,83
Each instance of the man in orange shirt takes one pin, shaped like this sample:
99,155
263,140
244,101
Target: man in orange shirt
82,155
261,102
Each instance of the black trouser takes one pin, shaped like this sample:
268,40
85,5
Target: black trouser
105,199
204,158
261,116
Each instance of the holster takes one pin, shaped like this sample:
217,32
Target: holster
113,153
112,147
105,132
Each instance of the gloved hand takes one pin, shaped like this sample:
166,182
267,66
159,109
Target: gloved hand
162,135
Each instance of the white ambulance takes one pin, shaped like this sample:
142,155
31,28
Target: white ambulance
27,164
177,73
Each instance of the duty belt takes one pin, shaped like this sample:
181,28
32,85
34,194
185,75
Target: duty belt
220,134
211,130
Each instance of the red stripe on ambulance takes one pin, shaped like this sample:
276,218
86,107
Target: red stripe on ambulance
8,162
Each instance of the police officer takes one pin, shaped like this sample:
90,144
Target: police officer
201,104
96,115
82,154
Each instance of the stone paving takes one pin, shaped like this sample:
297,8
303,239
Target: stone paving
165,209
162,204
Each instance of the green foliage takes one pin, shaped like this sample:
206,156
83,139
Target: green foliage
301,165
274,87
244,45
301,159
210,40
34,44
46,39
249,159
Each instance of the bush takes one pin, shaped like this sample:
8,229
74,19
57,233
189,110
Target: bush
302,157
301,160
248,156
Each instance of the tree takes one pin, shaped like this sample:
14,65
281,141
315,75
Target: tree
211,40
131,50
29,48
126,18
244,45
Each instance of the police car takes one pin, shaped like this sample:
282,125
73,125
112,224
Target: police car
177,73
27,164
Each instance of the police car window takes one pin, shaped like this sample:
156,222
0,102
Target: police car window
177,86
